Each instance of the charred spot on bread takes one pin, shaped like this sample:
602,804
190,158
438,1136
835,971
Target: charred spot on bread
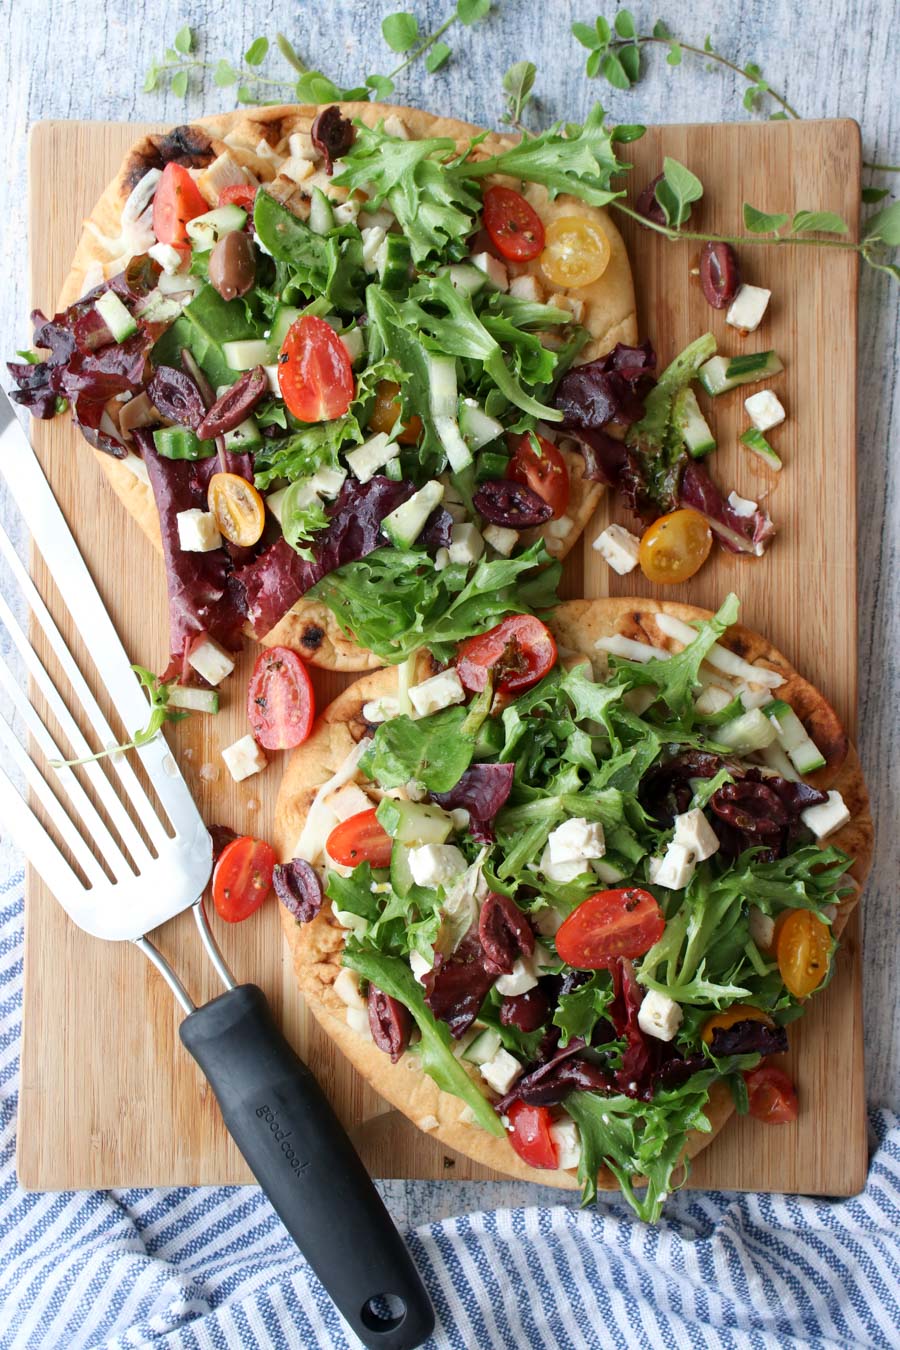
187,145
312,637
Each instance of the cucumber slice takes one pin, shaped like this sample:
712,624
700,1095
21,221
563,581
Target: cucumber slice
442,389
285,315
196,700
414,822
788,728
774,758
394,261
247,353
477,428
404,525
206,230
117,318
490,739
752,731
458,453
484,1047
721,373
401,876
756,441
806,757
355,342
245,436
321,213
466,278
692,424
490,465
180,443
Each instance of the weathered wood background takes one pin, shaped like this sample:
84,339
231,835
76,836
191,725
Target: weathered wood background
59,58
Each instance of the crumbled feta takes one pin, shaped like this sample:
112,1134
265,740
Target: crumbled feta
244,758
500,538
346,986
825,819
435,864
694,831
577,840
765,410
197,531
501,1072
762,928
441,691
272,377
348,801
346,212
211,661
373,236
561,872
564,1134
466,544
742,506
748,307
441,559
418,965
380,710
521,978
659,1016
619,547
394,126
493,269
169,258
675,868
527,287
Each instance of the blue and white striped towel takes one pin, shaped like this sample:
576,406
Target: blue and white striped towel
214,1270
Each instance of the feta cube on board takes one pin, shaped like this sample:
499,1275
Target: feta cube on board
440,691
619,547
211,661
765,410
244,758
748,307
659,1016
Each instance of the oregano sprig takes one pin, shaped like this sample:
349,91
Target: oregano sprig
160,712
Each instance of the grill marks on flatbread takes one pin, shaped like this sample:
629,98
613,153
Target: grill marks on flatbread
610,312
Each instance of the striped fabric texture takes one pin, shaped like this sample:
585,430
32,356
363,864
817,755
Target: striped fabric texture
213,1269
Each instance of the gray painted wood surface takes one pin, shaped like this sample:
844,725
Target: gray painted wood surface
86,58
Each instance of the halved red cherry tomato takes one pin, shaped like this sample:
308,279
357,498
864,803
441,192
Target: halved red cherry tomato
238,194
358,839
242,878
773,1097
543,470
610,924
515,228
802,950
530,1135
176,201
519,652
280,700
315,372
675,546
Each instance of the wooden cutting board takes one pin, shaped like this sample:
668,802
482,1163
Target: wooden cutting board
108,1095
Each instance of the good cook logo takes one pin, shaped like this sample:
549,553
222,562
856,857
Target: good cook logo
281,1137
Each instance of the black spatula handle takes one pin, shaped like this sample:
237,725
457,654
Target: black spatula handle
301,1156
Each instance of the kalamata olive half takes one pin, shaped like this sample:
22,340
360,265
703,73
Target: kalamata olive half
505,933
299,889
720,273
174,394
390,1023
232,265
503,502
647,205
236,404
332,134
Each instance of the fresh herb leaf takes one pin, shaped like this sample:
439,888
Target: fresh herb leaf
518,83
471,11
575,159
885,225
158,693
184,40
762,222
438,56
179,83
257,51
826,222
678,189
400,31
874,194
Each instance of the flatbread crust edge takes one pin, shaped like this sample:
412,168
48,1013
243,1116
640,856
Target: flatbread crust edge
316,947
309,627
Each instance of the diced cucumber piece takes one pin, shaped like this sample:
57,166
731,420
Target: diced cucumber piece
206,230
285,315
774,758
722,373
247,353
321,213
355,342
490,739
404,525
116,316
490,465
484,1047
458,453
394,261
366,459
414,822
401,875
181,443
196,700
477,428
692,424
466,278
275,502
442,389
788,727
806,757
245,436
756,441
752,731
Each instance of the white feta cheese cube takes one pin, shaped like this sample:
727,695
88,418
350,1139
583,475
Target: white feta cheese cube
441,559
395,127
527,287
564,1134
825,819
765,410
346,212
441,691
418,965
501,1072
676,869
560,872
373,236
762,928
434,865
197,531
272,377
493,269
742,506
659,1016
244,758
694,831
346,986
577,840
348,801
380,710
372,455
521,978
354,923
169,258
327,481
466,544
501,539
211,660
358,1021
619,547
747,308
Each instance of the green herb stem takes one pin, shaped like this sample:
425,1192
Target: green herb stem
643,38
881,168
423,46
745,240
242,76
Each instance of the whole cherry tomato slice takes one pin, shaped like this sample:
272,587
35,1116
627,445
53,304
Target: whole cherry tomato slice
519,652
242,878
238,194
773,1097
387,409
237,507
542,469
359,839
610,924
280,700
315,373
739,1012
176,201
802,950
515,228
675,547
530,1135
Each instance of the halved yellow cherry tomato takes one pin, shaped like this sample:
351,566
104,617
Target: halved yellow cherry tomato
237,507
675,547
802,950
740,1012
576,251
386,410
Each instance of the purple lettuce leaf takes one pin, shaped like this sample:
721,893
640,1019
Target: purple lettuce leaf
482,791
610,389
749,1037
737,534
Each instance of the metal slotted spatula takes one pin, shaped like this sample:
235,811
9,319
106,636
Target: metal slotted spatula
122,882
